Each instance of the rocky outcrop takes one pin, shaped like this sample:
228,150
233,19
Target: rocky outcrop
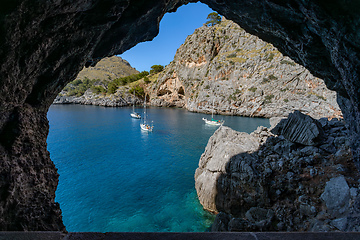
45,44
299,128
242,74
119,99
264,182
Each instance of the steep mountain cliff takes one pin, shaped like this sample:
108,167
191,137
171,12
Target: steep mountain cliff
45,44
241,75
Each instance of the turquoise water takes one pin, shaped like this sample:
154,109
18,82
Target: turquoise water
115,177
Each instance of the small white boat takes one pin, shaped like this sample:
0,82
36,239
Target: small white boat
134,114
213,121
144,126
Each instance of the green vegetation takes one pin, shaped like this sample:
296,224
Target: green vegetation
268,79
252,89
272,77
234,95
156,69
78,87
98,90
317,95
231,55
214,19
268,98
286,100
147,80
288,62
113,86
139,91
265,80
270,57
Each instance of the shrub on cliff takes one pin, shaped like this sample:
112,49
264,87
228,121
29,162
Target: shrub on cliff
214,19
156,69
139,91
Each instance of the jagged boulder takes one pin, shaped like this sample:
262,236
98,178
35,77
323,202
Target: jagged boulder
299,128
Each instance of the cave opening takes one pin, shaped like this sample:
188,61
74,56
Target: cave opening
336,39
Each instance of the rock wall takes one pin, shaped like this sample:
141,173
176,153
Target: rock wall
242,75
45,44
264,182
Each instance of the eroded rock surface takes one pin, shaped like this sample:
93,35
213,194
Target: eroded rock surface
45,44
264,182
240,74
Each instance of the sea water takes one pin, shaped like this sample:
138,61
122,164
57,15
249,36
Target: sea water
116,177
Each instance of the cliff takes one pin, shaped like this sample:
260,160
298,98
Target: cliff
242,75
301,179
45,44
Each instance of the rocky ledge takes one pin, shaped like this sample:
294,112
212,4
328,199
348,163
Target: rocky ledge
298,176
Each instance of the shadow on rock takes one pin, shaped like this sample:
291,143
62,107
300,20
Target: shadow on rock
299,176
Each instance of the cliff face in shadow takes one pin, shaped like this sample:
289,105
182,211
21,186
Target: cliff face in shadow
45,44
264,182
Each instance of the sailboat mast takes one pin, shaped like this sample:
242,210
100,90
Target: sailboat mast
145,110
212,111
134,102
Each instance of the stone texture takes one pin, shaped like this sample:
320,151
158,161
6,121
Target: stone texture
45,44
336,196
279,185
299,128
242,74
216,160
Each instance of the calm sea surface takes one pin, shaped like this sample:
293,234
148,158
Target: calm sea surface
115,177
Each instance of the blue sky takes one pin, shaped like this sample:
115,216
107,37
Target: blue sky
174,28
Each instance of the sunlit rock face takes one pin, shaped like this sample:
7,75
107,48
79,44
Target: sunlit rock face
44,44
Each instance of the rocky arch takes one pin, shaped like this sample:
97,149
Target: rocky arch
44,44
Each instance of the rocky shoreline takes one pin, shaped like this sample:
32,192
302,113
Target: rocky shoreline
120,99
297,176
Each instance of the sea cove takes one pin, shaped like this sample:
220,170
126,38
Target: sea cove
114,177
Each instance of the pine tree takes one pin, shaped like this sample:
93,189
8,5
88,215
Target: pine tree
214,19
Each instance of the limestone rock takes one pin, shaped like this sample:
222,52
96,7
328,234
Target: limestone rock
299,128
277,185
336,196
219,158
242,74
45,44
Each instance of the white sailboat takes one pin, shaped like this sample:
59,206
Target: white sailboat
134,114
144,126
213,121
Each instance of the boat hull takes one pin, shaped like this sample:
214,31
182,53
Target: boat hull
146,127
135,115
213,123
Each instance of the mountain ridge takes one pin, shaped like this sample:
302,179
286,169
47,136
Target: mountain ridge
242,74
